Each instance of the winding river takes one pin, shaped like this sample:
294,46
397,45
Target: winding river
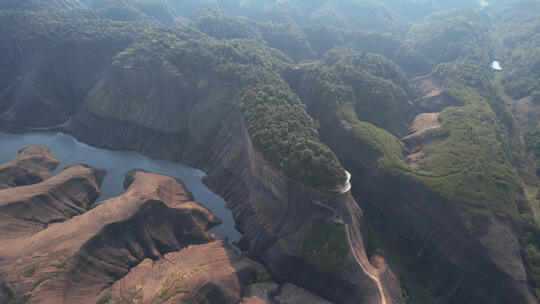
70,151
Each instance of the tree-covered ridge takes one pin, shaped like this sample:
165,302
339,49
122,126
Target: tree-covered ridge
324,38
417,9
375,87
447,38
358,14
221,25
287,136
286,37
469,164
278,123
39,31
281,129
41,5
519,34
377,65
133,10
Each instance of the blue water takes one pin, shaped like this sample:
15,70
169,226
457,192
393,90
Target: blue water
70,151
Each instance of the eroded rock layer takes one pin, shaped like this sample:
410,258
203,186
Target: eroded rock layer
26,210
33,165
74,260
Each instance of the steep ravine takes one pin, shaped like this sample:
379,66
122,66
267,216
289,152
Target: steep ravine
276,220
273,213
462,268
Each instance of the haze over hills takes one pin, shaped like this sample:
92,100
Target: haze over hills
367,150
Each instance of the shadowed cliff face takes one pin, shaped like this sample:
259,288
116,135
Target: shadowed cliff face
45,88
273,212
282,220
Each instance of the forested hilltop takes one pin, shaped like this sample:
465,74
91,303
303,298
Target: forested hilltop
444,151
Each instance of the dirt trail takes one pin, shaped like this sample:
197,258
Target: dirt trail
374,277
339,220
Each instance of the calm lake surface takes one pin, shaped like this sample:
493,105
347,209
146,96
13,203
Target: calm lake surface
69,151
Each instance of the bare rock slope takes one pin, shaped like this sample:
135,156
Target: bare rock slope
33,165
75,259
26,210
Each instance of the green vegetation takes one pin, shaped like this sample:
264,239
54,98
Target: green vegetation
376,138
346,62
535,97
285,139
28,273
465,161
48,30
199,234
468,165
465,74
524,75
24,299
43,280
411,61
463,36
365,15
471,161
286,135
325,245
221,25
530,231
288,38
324,38
519,37
106,297
260,276
171,286
374,86
532,138
134,10
246,63
62,263
38,5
